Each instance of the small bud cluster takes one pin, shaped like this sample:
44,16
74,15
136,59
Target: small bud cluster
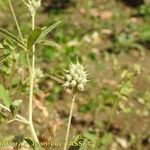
75,77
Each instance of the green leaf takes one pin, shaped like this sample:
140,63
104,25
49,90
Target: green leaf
11,36
30,142
90,136
49,29
33,37
50,43
4,56
8,43
33,144
145,32
5,96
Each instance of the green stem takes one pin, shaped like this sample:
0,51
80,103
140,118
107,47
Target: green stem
69,122
32,73
15,19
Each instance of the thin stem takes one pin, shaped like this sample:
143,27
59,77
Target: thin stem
69,122
28,61
15,19
32,86
19,120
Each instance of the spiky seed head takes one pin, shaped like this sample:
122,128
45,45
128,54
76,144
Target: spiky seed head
81,87
75,77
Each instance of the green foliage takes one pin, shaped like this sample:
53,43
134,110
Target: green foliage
144,10
144,32
49,29
33,37
89,106
121,33
30,142
91,137
48,53
51,44
4,56
12,37
106,139
125,41
4,95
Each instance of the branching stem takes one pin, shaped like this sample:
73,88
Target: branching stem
31,71
18,116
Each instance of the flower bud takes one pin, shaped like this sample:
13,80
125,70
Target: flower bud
80,87
83,81
68,77
73,83
66,84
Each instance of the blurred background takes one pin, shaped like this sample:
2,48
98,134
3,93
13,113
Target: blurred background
112,39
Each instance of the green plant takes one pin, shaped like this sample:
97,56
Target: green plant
144,10
28,48
124,88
